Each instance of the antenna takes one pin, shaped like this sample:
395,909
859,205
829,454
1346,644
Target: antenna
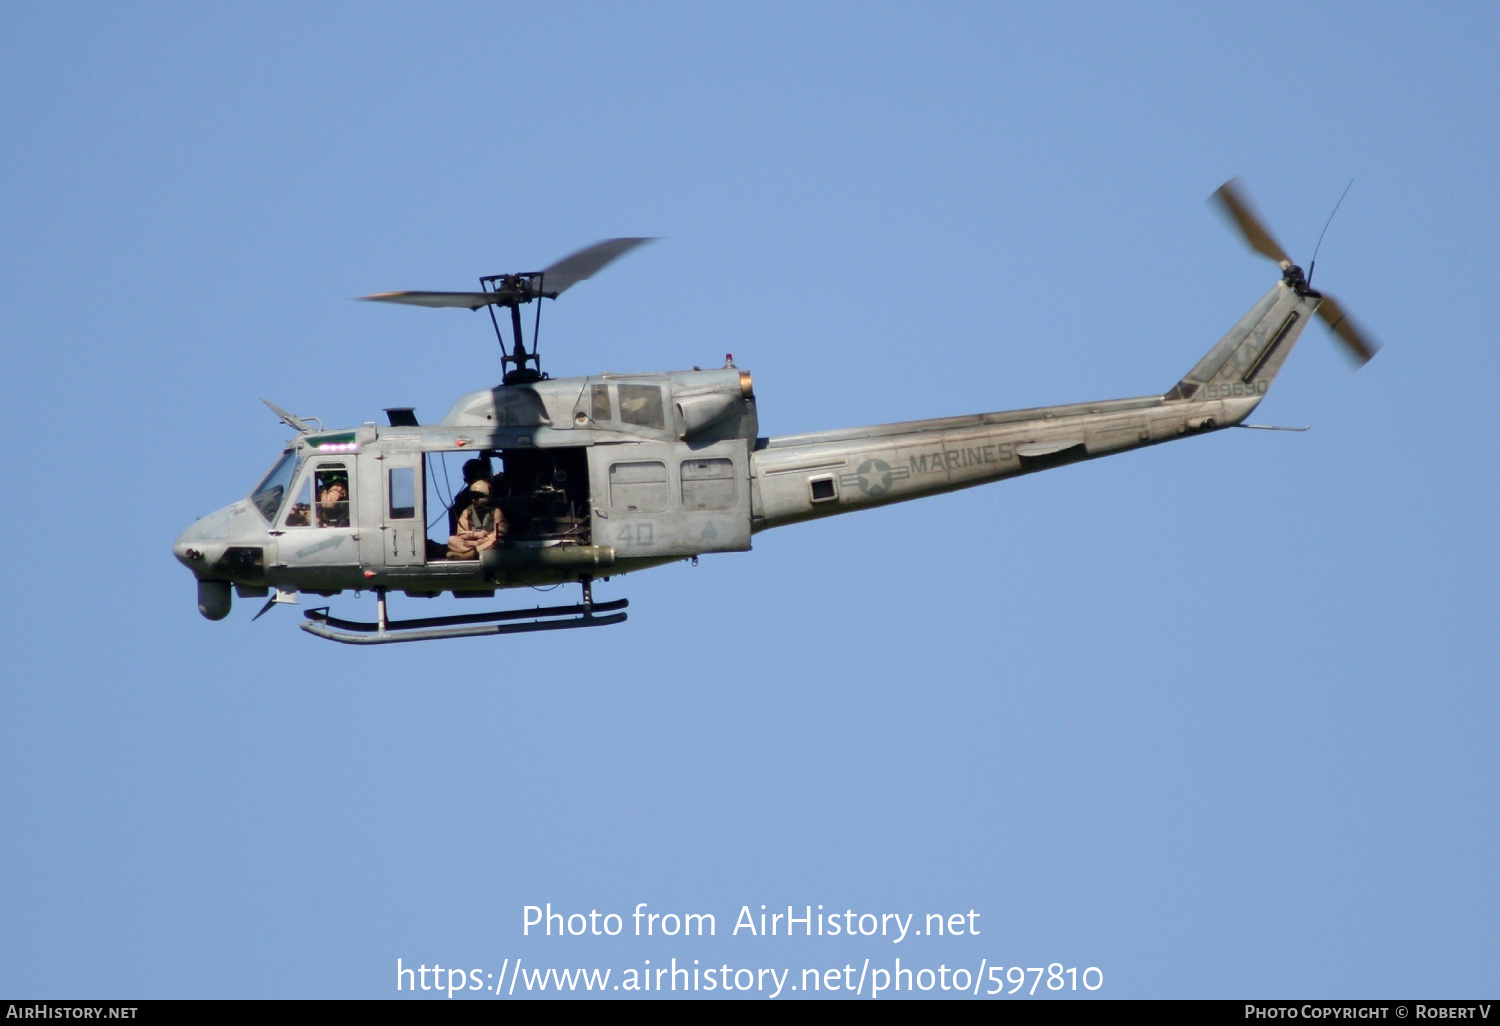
1313,264
291,420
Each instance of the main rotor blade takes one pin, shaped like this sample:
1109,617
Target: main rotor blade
1237,207
587,262
465,300
1359,346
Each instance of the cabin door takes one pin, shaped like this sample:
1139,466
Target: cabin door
713,495
402,527
317,527
654,499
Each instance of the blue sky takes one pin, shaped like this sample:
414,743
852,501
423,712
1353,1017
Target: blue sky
1217,718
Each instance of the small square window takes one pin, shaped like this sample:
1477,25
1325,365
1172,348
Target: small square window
823,489
641,405
599,402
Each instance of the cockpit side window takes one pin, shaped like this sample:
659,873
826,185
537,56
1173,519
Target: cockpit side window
299,514
331,483
322,500
272,488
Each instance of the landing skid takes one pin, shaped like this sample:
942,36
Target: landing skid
469,625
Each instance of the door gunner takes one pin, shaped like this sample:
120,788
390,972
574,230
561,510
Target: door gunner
481,526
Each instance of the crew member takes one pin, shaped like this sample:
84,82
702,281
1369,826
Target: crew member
333,502
477,469
480,526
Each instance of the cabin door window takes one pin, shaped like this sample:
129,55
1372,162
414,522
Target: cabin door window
708,484
405,537
639,486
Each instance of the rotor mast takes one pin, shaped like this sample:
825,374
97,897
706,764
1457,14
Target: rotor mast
511,291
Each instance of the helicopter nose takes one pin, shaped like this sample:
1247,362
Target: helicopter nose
191,548
202,546
203,542
188,555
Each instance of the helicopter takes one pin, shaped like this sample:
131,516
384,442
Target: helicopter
610,474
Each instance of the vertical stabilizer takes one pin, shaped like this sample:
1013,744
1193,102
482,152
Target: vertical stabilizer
1245,361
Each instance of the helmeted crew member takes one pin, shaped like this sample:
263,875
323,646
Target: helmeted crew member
481,526
477,469
333,503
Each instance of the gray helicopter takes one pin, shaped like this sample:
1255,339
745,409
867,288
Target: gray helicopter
568,480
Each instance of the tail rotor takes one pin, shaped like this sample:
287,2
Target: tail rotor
1232,202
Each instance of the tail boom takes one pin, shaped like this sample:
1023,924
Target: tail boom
805,477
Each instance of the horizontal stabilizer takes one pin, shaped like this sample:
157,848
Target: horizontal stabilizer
1039,449
1054,453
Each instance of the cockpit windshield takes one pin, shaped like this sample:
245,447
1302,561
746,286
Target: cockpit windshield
269,493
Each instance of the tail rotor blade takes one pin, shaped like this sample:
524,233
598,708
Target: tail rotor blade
1232,201
587,262
1235,205
1360,346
